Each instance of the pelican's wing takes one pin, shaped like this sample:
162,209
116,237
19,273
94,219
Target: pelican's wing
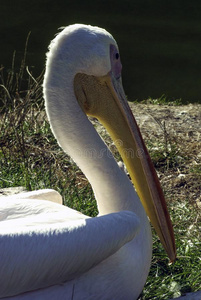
43,243
45,194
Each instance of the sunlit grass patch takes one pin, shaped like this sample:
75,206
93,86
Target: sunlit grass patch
167,280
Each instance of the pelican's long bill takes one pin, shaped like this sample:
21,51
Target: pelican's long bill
110,107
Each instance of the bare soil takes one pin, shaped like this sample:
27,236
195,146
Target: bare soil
177,131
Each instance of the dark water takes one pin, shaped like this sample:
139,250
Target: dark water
159,41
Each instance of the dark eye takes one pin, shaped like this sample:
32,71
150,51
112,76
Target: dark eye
117,55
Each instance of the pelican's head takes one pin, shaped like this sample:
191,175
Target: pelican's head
91,48
96,75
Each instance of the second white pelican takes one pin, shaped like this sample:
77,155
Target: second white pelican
49,251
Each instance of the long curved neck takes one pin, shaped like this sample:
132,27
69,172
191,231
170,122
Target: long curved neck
76,135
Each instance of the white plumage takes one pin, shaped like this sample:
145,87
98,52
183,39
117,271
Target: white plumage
49,251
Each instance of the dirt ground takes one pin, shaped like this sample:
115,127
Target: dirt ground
178,130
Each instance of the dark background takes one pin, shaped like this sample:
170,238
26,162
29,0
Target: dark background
159,41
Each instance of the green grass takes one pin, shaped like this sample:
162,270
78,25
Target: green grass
30,157
163,100
166,280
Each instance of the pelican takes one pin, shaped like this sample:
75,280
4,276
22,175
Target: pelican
49,251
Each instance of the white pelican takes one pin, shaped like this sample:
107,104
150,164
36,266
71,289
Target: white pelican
49,251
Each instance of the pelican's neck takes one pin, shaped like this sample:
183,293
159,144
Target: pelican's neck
78,138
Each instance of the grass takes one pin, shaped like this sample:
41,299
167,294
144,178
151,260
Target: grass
30,157
163,100
166,280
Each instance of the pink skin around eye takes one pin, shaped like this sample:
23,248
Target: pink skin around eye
116,65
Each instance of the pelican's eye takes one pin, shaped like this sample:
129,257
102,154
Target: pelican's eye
117,55
115,61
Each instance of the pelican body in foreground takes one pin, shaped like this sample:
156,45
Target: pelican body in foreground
48,250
